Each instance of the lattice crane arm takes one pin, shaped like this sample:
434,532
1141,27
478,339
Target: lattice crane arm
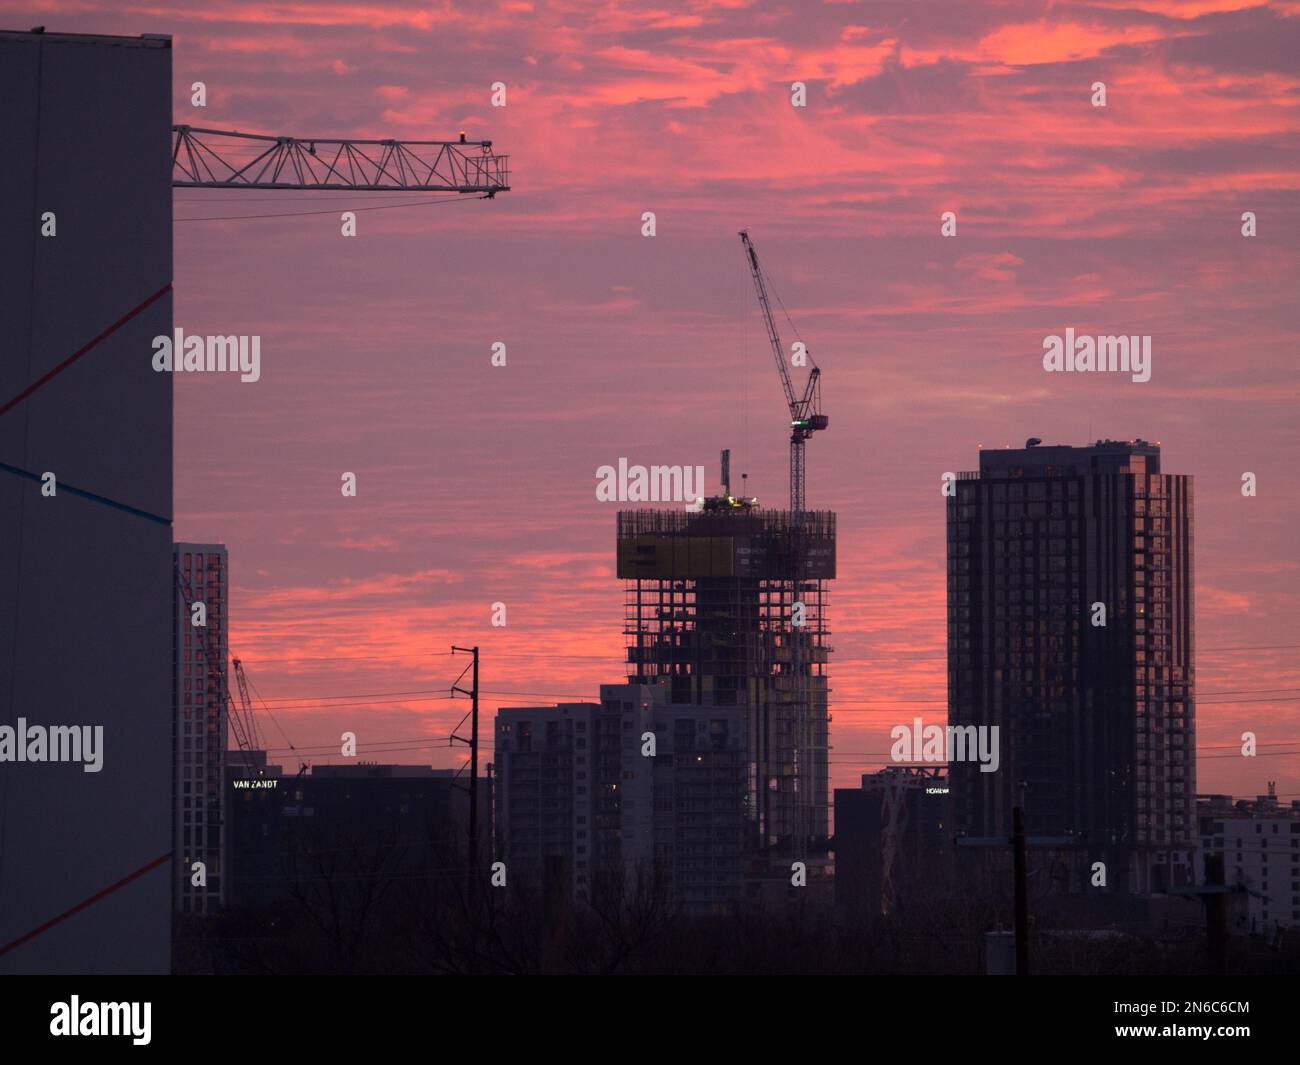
250,722
805,411
226,159
774,338
245,740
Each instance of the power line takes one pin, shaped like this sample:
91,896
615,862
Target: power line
312,196
283,700
303,214
367,702
617,657
274,721
374,747
343,658
865,706
417,742
856,706
885,759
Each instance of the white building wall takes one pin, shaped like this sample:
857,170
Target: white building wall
1261,854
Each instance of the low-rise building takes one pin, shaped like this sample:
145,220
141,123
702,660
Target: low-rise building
1259,841
633,793
341,821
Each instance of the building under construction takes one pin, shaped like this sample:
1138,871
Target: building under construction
726,624
726,607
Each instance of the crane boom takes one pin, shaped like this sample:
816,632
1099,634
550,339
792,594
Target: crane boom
216,667
250,722
805,411
216,158
774,338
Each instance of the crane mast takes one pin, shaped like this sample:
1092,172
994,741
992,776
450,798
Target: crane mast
805,410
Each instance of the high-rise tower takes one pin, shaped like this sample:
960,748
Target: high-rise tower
1070,626
726,607
200,656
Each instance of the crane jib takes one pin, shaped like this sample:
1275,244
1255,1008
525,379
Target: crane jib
805,414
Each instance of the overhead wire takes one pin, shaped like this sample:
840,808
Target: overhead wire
457,198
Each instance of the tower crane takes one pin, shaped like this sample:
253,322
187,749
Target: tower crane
239,716
805,411
243,714
211,159
227,159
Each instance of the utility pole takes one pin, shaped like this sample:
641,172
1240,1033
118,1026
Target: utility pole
471,858
1022,892
1216,921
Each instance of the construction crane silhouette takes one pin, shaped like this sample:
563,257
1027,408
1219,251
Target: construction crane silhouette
241,715
805,411
220,159
208,159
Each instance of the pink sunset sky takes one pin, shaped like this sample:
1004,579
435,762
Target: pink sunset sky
476,484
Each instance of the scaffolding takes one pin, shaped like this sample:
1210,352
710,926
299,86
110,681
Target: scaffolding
729,608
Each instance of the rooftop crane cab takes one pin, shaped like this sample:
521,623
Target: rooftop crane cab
812,423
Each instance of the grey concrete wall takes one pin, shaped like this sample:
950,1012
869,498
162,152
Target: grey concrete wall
85,586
